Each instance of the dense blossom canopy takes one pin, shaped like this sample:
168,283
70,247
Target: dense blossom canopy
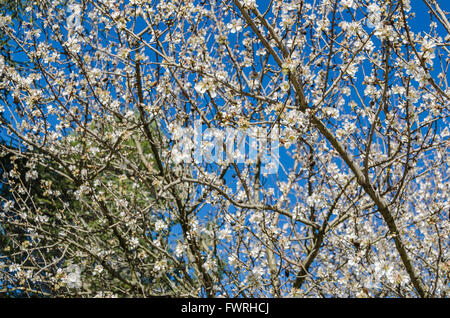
101,193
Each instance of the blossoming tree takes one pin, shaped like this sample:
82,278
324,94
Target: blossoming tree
356,91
